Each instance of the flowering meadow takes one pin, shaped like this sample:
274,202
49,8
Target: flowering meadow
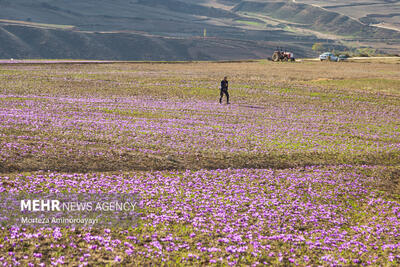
303,168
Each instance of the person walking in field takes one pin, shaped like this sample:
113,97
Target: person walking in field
224,90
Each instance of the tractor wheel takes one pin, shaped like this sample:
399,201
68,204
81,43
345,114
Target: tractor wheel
275,57
285,59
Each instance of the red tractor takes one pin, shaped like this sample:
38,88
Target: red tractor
280,55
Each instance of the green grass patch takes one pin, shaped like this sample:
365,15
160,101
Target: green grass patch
135,113
18,98
376,85
252,23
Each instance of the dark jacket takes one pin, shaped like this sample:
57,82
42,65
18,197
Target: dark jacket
224,85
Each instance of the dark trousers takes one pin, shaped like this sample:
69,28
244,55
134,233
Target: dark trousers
222,94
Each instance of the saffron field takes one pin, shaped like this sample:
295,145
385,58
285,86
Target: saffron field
303,168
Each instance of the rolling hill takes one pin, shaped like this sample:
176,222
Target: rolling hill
381,13
174,29
316,18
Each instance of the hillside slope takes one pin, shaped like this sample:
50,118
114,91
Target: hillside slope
31,42
316,18
381,13
171,29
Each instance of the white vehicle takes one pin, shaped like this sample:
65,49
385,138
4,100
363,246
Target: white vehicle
328,56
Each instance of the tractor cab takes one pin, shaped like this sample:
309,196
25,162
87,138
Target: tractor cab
281,55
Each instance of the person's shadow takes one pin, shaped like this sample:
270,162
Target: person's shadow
251,106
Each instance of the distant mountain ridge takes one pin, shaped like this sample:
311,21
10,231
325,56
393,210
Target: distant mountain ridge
173,29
